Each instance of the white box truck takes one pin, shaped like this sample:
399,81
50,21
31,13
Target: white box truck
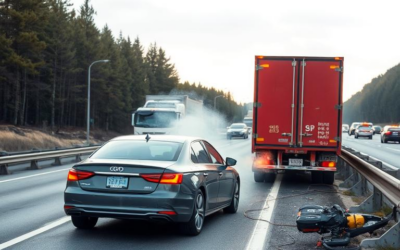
162,113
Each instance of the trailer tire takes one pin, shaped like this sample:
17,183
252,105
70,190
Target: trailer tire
269,177
317,177
329,177
258,177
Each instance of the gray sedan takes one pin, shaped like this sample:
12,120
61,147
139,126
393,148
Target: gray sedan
158,178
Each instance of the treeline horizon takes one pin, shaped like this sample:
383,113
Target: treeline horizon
46,48
378,101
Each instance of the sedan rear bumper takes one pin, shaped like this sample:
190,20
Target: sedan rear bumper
129,206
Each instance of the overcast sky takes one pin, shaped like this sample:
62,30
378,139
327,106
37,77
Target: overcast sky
214,41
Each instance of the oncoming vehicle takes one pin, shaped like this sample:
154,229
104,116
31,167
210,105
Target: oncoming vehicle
364,130
155,178
237,130
345,128
390,133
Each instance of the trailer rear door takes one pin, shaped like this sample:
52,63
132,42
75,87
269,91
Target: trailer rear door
275,84
319,115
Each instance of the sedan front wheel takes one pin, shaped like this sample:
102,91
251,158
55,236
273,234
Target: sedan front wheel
195,224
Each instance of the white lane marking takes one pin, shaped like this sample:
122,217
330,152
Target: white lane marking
393,149
35,232
260,231
25,177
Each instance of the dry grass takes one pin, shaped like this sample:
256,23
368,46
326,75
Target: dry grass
12,142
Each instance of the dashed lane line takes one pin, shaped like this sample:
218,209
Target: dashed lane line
261,230
30,176
35,232
393,149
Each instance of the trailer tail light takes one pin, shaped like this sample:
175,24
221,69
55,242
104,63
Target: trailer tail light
260,57
334,66
328,164
260,139
265,65
263,162
77,175
166,178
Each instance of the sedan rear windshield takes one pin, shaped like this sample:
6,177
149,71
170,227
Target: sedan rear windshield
139,150
364,128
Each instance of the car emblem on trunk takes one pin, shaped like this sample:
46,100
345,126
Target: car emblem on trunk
116,169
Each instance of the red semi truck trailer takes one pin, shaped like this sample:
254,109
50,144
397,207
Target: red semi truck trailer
297,116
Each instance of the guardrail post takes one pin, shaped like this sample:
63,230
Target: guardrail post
34,165
389,239
57,162
351,180
4,169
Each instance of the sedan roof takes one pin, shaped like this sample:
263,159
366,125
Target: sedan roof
170,138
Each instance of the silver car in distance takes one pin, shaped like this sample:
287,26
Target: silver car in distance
157,178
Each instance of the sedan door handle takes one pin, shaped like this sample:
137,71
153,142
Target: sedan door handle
220,173
205,174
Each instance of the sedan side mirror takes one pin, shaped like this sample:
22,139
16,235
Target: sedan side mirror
230,162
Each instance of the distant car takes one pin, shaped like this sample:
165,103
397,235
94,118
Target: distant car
390,133
364,130
161,178
345,128
354,126
237,130
377,129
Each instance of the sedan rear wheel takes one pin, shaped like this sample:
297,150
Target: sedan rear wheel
195,224
232,208
84,222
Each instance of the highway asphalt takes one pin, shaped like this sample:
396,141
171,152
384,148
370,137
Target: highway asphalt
32,199
386,152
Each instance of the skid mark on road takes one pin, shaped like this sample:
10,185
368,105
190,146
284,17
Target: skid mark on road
35,232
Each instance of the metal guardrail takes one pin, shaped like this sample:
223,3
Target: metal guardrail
360,172
387,184
33,158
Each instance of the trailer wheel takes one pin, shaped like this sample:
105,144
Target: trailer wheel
269,177
329,177
258,177
317,177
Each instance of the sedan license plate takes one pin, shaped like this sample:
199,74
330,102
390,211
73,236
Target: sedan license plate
295,162
117,182
395,133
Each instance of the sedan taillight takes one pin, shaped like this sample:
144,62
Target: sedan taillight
166,178
77,175
388,133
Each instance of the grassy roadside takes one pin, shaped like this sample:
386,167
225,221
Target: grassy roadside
13,139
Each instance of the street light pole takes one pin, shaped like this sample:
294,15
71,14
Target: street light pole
88,100
215,101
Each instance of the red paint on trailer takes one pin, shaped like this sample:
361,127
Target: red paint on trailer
273,96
